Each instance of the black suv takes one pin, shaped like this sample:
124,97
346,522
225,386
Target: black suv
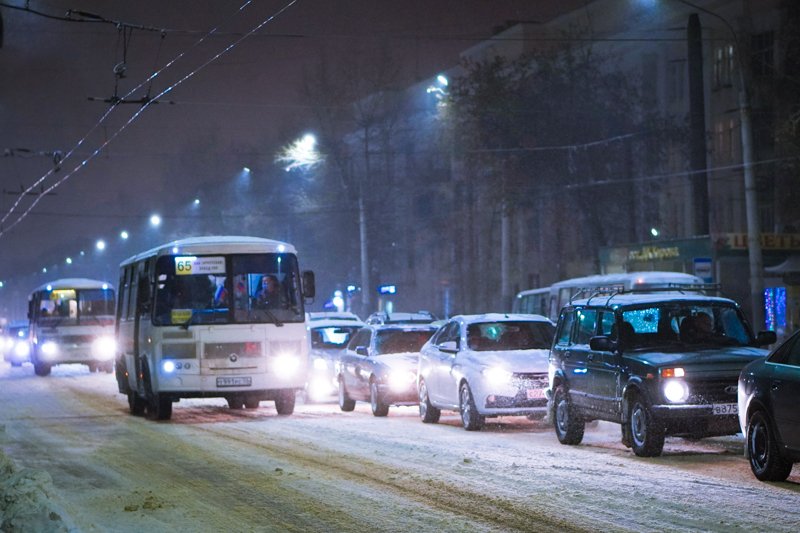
658,364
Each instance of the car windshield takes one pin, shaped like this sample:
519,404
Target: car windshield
332,337
683,325
517,335
400,341
223,289
69,307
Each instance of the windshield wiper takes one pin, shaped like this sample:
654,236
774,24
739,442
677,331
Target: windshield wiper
272,317
189,322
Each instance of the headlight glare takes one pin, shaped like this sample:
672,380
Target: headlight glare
401,379
320,364
104,348
49,348
676,391
22,349
497,376
286,366
168,366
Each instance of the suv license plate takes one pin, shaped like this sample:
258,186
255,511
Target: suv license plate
725,409
235,382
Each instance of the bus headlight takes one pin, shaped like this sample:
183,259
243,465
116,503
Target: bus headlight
676,391
168,367
49,349
400,380
285,366
104,348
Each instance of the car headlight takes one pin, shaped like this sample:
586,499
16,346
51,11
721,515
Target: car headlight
49,348
22,349
286,366
400,380
320,364
497,376
676,391
104,348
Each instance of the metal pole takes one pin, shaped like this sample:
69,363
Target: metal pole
750,191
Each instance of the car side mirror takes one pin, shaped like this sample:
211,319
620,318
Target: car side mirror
449,347
602,343
766,337
362,350
309,284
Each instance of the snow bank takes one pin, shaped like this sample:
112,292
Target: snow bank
26,501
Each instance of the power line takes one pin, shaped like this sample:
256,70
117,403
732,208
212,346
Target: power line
83,163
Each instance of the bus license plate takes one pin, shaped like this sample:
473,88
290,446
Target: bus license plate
535,394
235,382
725,409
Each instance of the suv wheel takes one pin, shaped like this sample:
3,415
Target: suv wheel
766,461
568,423
470,418
647,433
427,412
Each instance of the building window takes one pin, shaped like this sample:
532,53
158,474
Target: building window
763,54
723,65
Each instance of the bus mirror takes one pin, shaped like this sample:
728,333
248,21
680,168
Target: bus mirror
309,287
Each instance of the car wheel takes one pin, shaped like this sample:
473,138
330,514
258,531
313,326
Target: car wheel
569,424
345,403
136,404
41,369
92,367
427,412
284,403
647,433
470,418
160,407
765,457
376,402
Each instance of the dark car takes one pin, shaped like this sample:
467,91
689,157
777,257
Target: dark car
379,365
769,395
658,364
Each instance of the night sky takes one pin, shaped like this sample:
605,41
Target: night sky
234,110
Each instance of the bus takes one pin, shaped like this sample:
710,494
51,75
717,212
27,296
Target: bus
192,323
72,321
548,301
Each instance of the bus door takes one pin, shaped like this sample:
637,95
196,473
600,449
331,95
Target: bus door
141,326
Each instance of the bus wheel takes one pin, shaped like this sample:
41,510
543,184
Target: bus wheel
92,367
284,402
160,407
235,402
251,403
41,369
136,404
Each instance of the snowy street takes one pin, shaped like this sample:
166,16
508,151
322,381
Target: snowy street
214,469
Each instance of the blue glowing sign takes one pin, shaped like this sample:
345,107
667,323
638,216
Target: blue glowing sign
387,289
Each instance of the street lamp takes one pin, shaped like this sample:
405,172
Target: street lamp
750,192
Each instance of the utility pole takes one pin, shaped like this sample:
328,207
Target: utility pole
750,191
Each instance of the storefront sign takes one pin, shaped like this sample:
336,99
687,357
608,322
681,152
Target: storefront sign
654,253
769,241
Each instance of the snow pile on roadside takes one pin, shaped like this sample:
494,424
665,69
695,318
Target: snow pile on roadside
26,501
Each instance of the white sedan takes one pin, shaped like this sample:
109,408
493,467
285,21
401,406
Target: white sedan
485,366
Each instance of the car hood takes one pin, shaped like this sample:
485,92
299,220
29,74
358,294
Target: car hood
513,360
732,358
399,361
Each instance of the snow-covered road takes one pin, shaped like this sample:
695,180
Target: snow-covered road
214,469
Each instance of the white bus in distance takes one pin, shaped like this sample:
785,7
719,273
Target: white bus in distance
72,321
195,319
548,301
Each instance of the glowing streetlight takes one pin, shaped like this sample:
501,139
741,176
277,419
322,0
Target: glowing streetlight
300,154
155,220
654,232
196,202
123,235
68,260
100,244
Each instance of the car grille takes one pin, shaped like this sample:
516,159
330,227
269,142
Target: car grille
713,391
530,380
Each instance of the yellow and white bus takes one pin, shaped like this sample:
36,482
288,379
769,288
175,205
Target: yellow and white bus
72,321
192,322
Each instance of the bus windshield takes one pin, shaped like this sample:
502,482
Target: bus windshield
224,289
70,307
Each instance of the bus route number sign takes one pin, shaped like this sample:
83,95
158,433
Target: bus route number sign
192,265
